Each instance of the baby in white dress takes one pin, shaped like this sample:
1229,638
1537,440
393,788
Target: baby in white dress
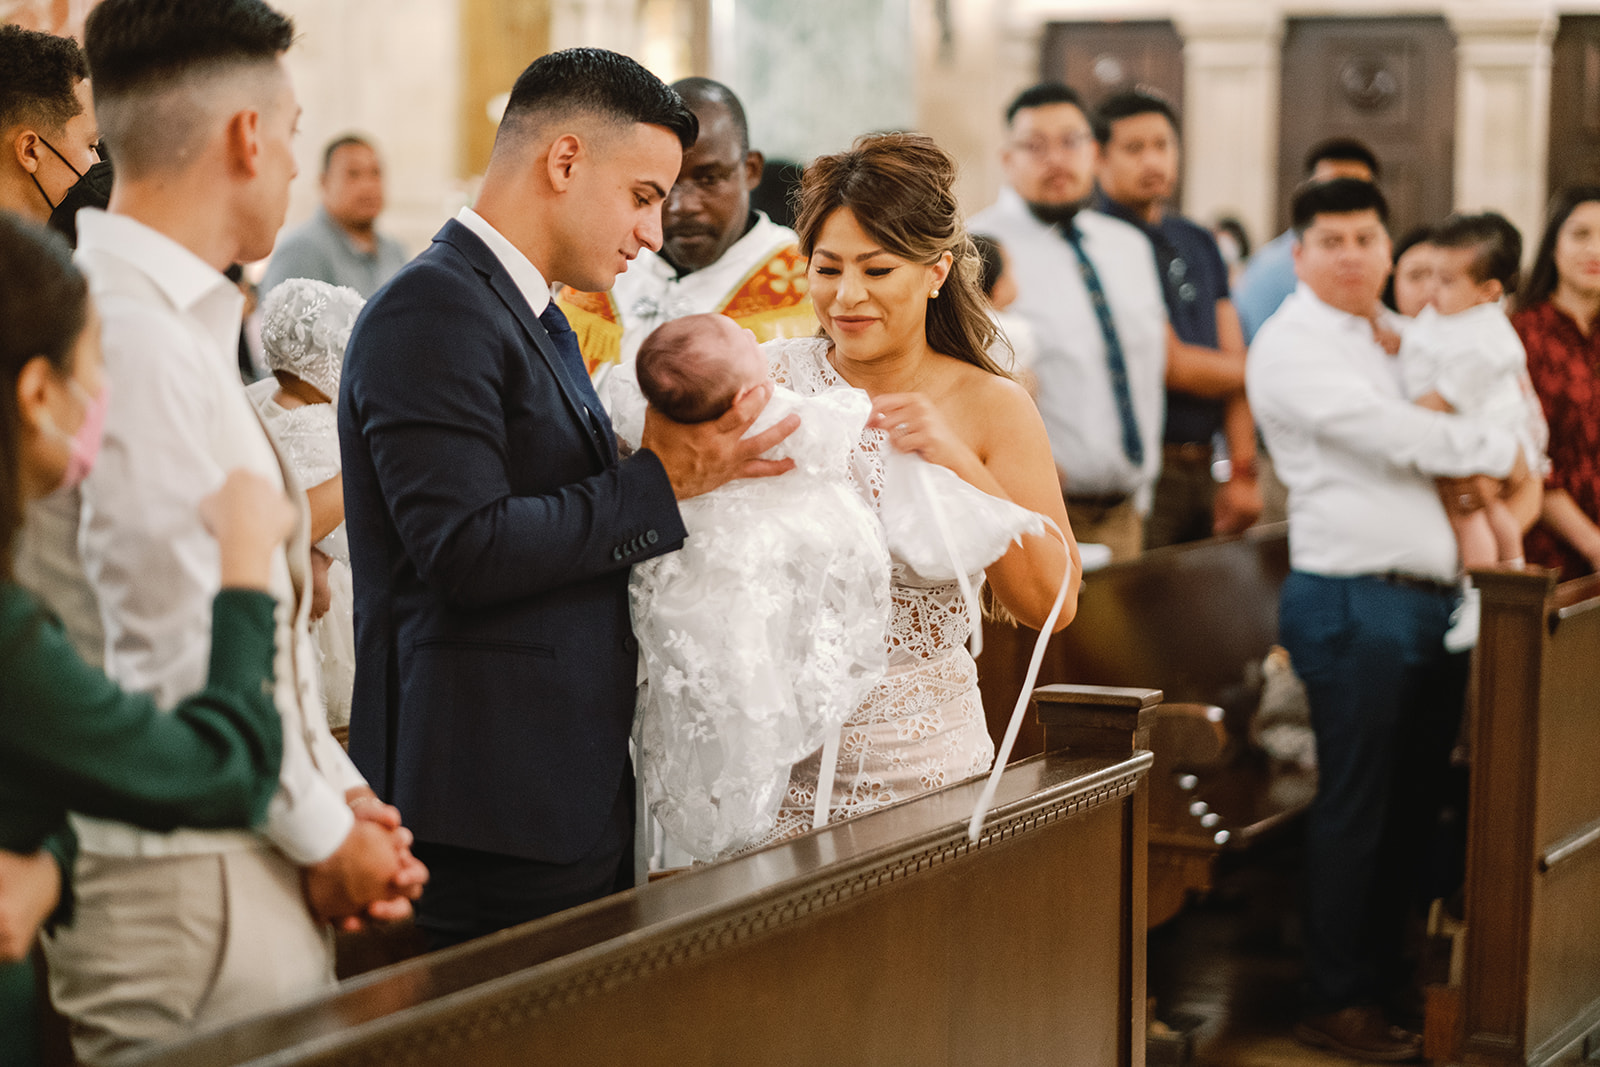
766,630
305,326
1461,354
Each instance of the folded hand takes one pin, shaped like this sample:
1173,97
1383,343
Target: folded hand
30,888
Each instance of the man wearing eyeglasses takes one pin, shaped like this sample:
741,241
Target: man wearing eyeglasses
717,254
1087,284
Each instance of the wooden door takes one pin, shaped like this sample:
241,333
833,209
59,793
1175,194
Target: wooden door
1099,58
1574,106
1391,84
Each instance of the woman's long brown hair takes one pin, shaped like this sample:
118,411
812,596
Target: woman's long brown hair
44,307
901,189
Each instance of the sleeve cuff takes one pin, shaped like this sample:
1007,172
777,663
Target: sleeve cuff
309,828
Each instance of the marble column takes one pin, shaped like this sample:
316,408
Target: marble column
813,76
1503,109
388,69
1231,92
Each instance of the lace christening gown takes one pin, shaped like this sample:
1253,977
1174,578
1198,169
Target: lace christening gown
309,439
922,726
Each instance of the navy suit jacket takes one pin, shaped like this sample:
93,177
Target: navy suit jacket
491,531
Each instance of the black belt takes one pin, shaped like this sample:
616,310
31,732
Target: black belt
1105,500
1414,581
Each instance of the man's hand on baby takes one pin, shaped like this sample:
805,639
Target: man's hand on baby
699,457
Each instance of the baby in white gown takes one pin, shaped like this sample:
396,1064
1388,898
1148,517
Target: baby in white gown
766,630
305,326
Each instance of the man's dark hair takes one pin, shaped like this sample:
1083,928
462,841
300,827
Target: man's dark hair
1342,150
141,45
1497,245
343,141
39,73
989,260
1341,196
603,83
678,377
1125,105
703,94
1042,95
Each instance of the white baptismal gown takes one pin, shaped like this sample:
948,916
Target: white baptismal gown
762,634
922,725
309,438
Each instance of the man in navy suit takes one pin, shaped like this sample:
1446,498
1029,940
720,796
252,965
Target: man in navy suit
492,523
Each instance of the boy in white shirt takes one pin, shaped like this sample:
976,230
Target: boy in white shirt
1461,355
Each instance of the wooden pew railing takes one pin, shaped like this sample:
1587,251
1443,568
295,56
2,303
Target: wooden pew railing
885,939
1529,988
1196,621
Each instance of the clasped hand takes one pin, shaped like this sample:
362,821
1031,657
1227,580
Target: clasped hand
30,887
699,457
372,875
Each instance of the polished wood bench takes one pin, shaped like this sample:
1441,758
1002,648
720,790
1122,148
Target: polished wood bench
1195,620
1528,989
888,938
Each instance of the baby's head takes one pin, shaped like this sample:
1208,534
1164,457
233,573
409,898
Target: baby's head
1477,260
305,326
691,369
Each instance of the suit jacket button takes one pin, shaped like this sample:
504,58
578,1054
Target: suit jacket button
630,644
616,553
650,538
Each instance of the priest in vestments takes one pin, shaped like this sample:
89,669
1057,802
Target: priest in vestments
717,255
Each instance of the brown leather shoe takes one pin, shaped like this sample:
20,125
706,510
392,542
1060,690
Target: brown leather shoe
1362,1033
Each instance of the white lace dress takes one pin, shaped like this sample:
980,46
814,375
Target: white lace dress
762,634
309,439
922,726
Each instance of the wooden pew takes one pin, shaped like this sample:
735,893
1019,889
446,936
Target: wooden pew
1529,989
1195,620
884,939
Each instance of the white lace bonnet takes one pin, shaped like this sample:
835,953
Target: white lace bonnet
305,326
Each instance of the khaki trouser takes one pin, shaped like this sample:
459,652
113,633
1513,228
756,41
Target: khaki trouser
1117,526
163,946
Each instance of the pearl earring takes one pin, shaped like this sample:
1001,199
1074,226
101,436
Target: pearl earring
934,295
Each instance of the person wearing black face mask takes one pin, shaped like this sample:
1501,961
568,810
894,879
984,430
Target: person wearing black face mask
49,168
49,163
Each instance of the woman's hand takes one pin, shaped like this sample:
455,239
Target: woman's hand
914,424
30,888
249,517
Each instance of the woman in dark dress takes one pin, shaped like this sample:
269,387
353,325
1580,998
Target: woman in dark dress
1558,319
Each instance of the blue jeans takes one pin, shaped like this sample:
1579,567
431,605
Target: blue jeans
1386,701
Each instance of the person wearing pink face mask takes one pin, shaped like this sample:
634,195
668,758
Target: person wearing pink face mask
69,737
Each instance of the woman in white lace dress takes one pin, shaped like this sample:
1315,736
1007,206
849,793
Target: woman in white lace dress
894,279
305,326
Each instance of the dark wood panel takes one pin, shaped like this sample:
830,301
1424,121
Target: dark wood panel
1389,83
1099,58
1574,104
1530,989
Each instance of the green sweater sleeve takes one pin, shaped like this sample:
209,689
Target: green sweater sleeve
70,739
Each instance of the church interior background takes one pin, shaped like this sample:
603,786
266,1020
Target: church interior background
1468,103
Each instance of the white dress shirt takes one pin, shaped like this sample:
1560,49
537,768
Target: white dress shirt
533,286
1075,393
1358,458
178,421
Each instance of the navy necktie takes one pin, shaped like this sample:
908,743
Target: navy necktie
555,324
1132,443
